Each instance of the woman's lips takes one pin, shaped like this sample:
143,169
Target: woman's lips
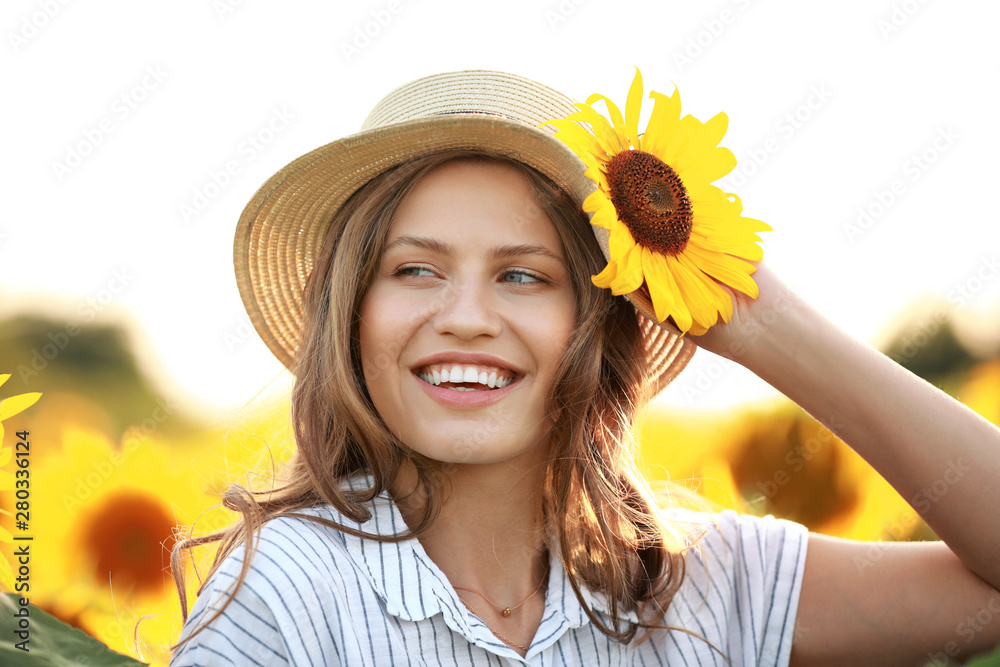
474,376
465,397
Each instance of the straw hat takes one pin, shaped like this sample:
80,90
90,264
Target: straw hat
281,230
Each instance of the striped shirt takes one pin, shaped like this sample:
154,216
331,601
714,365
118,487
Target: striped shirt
316,596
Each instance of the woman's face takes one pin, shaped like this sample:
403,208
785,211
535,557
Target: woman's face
468,317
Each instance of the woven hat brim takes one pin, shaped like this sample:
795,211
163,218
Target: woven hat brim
282,227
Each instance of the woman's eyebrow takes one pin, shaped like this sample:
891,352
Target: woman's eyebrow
442,248
514,250
421,242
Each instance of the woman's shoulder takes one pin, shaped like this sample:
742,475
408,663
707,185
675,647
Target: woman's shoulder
296,571
728,527
297,544
738,545
742,580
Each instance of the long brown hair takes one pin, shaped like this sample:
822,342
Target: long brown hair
595,502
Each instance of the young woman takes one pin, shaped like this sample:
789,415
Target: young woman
464,492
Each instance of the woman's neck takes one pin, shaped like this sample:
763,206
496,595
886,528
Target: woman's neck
489,533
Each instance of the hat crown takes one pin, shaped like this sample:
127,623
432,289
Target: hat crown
480,92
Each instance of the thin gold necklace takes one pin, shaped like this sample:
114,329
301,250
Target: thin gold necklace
505,611
496,634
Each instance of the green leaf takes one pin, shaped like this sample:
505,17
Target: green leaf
991,659
51,642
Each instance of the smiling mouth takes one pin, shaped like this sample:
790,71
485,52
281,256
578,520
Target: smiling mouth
466,377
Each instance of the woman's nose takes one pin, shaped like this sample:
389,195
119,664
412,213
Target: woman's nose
468,309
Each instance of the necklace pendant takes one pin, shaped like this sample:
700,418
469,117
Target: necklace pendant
506,612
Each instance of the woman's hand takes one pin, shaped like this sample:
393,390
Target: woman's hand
751,317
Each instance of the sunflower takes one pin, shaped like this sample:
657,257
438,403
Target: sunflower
105,527
8,408
670,229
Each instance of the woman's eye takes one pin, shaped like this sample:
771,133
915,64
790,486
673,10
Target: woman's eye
415,271
520,277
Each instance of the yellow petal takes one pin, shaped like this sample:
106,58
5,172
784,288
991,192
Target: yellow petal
653,268
621,242
698,330
576,137
710,166
596,175
629,279
755,224
727,269
716,206
723,300
662,122
594,201
706,194
748,249
704,137
605,134
616,118
675,141
13,405
694,291
663,290
606,216
604,278
733,230
3,378
594,171
633,105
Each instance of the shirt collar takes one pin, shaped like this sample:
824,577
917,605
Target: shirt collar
413,588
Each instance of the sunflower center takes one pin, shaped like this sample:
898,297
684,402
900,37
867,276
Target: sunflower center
129,539
651,201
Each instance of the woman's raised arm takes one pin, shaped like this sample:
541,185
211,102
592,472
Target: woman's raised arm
917,600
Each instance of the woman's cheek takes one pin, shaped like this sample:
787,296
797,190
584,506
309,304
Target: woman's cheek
389,320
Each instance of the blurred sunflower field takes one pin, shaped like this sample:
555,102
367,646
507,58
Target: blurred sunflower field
119,473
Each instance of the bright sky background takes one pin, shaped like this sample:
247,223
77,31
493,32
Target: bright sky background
829,105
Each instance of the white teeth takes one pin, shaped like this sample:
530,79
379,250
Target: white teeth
465,375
